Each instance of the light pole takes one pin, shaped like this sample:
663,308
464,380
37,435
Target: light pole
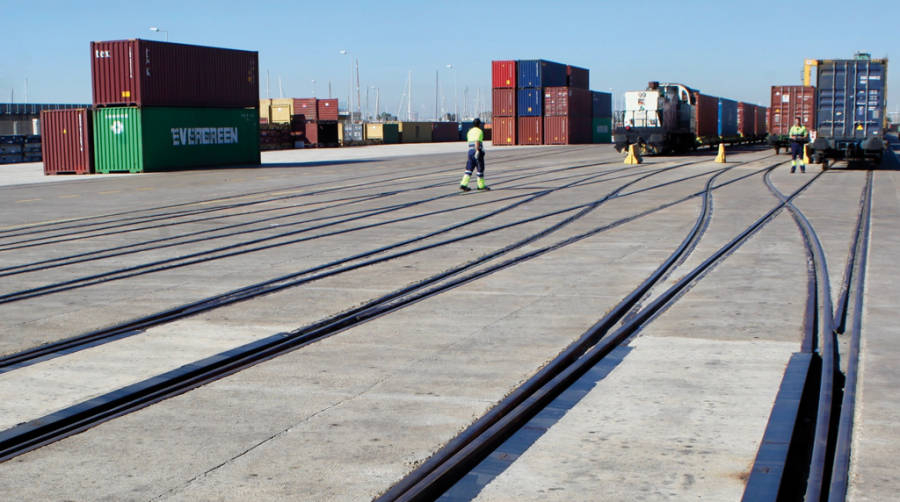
314,87
157,30
455,94
345,52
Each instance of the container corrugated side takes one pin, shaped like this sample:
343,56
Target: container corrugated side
384,133
789,102
445,131
537,73
762,117
746,119
162,138
706,115
504,131
307,107
727,118
530,103
567,101
601,104
151,73
504,102
415,132
66,141
567,129
850,98
327,109
601,130
281,111
503,74
529,131
265,111
579,78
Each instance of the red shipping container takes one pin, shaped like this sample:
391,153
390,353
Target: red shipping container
530,131
789,102
504,102
567,130
327,109
66,142
149,73
746,119
503,74
578,78
706,115
445,131
567,101
307,107
504,131
762,120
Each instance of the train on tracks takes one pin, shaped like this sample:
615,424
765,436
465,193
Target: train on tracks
674,118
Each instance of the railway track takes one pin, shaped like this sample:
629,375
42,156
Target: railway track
51,428
805,452
439,473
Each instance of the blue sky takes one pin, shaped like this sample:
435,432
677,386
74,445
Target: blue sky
730,49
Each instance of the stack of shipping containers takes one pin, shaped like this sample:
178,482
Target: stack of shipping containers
160,105
601,111
568,110
539,102
311,121
504,102
531,79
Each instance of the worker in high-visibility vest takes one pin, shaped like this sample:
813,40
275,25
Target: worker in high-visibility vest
475,159
799,136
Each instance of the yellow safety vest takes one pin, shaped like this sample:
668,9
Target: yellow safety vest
475,134
797,131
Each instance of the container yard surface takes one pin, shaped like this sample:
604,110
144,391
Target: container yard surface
676,414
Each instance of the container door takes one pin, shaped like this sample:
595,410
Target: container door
117,140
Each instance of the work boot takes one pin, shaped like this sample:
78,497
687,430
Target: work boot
464,188
481,185
802,169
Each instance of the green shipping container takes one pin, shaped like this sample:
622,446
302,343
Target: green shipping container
136,139
601,130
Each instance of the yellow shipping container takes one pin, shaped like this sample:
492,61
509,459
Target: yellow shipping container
282,109
375,132
415,132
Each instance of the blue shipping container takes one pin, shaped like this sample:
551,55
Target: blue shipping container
727,118
531,102
850,98
464,129
601,104
540,73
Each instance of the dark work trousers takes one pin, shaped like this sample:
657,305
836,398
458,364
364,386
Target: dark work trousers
475,160
796,150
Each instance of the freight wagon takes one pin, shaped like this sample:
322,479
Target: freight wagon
788,103
670,117
850,110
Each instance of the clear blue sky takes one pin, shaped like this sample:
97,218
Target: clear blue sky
725,48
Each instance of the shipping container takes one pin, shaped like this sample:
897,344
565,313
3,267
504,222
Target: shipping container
601,104
327,109
503,74
567,101
746,119
281,111
504,131
530,131
445,131
761,120
850,98
529,103
151,73
579,78
159,138
727,118
789,102
601,130
415,132
350,133
326,133
537,73
706,115
308,107
67,141
388,133
567,129
504,103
